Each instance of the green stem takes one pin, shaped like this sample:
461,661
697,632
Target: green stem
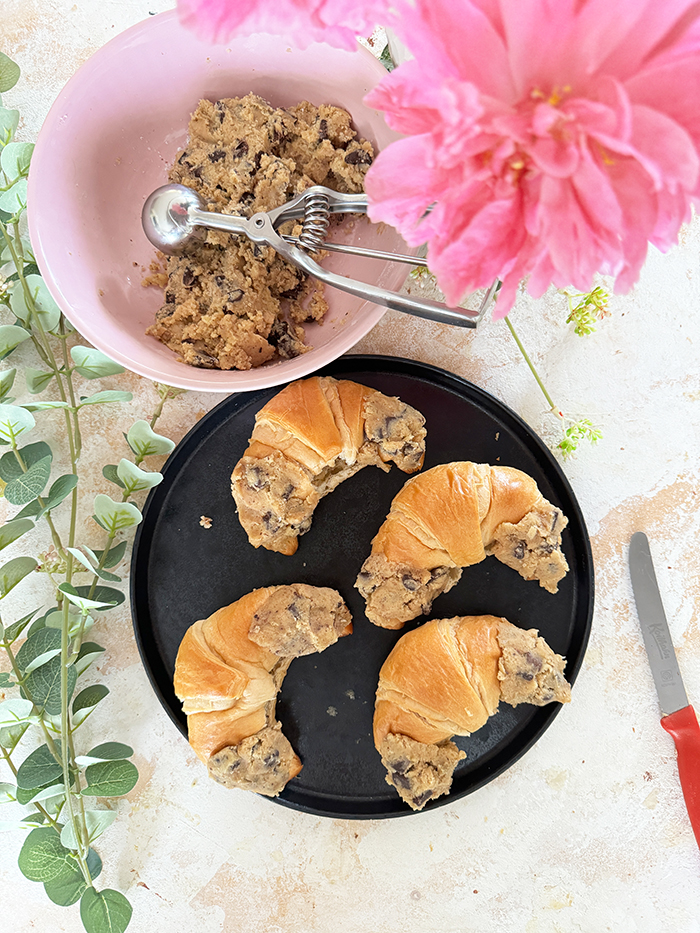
534,372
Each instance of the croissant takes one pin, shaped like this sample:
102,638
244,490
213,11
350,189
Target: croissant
446,678
229,670
310,437
450,517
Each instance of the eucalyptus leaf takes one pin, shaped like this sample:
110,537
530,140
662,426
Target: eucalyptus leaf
89,697
12,632
29,485
67,889
42,659
61,488
107,595
105,911
13,530
96,821
110,751
44,858
44,684
7,792
31,510
41,641
145,442
37,380
81,558
46,793
6,681
114,555
7,378
45,307
14,199
9,73
14,421
89,652
10,467
37,643
110,779
109,395
135,479
115,516
82,602
13,572
10,735
44,406
15,157
9,120
110,472
11,336
39,769
93,364
14,712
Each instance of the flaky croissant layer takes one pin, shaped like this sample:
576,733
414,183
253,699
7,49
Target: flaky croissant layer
229,670
447,678
310,437
451,517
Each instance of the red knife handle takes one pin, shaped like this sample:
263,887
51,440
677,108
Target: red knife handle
683,726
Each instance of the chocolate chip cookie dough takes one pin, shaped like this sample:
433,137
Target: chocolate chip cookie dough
230,304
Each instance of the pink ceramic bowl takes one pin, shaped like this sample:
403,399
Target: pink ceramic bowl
108,142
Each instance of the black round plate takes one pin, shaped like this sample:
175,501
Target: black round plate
182,572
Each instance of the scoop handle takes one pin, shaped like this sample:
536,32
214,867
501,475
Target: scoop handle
683,727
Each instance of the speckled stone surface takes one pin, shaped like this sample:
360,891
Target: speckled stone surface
588,832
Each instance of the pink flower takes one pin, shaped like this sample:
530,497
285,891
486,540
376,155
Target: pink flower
337,22
556,138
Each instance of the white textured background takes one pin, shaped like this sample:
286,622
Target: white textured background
588,832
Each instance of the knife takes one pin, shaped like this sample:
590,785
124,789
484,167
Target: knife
679,718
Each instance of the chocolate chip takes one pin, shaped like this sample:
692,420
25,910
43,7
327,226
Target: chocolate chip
400,780
358,157
189,278
287,494
422,798
217,155
257,160
246,199
525,675
271,522
255,478
169,298
323,130
240,149
401,765
294,292
197,171
519,551
234,765
557,515
534,662
182,157
293,609
235,295
221,110
272,760
219,279
410,583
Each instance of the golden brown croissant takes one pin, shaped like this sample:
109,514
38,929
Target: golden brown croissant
450,517
228,672
446,678
310,437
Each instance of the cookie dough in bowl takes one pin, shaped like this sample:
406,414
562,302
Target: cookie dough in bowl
230,303
110,140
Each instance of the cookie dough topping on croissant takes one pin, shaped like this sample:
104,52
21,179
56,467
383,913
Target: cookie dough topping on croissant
229,670
447,678
310,437
451,517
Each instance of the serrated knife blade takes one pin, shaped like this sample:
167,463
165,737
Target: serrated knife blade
679,718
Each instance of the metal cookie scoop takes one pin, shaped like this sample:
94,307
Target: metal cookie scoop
172,215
